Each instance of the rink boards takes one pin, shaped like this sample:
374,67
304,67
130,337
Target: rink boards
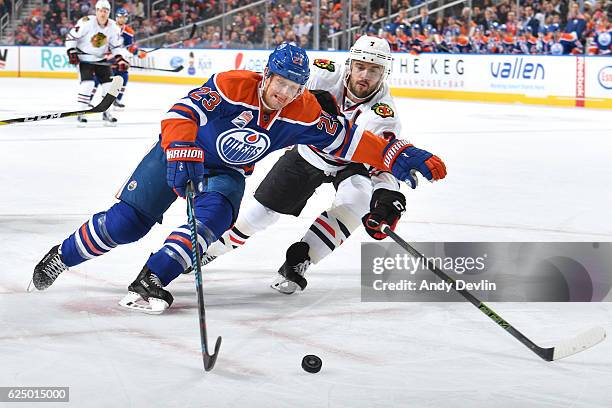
580,81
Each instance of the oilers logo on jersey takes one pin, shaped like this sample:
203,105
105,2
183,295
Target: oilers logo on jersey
242,146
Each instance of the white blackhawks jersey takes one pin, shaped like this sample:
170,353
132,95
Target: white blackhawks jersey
95,40
378,115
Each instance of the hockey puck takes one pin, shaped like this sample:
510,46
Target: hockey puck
311,363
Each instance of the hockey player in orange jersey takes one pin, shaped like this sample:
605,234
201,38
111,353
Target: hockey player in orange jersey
213,137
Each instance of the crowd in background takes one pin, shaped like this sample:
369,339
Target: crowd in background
500,26
549,27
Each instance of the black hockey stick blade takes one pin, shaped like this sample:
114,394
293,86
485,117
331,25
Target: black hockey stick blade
104,104
566,348
210,360
192,32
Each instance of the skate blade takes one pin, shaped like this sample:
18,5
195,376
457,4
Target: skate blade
133,301
284,286
110,124
31,286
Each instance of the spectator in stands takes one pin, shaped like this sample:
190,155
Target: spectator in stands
424,18
4,8
489,19
512,23
530,23
575,21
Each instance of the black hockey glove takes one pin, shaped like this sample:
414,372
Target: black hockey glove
386,207
73,56
327,101
121,64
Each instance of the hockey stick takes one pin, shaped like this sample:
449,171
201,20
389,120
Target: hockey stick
109,64
106,103
567,348
209,360
191,34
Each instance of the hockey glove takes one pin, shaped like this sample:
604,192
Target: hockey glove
185,161
327,101
405,160
386,207
73,56
121,64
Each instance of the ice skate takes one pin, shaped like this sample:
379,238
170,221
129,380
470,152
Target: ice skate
146,294
109,120
81,121
48,269
291,273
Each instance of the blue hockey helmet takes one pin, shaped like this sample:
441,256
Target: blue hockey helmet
291,62
121,12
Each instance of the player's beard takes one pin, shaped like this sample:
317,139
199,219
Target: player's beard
362,88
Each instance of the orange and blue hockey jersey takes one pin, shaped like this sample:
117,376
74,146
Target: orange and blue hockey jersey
225,119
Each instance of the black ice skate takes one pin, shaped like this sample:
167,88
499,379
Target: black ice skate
109,120
82,120
48,269
291,273
118,105
146,294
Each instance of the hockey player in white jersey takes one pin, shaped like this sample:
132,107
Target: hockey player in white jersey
362,195
88,42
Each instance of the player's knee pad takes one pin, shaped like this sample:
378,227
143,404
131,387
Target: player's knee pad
215,212
255,217
252,218
125,224
353,197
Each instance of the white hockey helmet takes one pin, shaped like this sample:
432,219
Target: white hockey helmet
370,49
103,4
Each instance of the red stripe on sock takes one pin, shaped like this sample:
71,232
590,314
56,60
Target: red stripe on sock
326,226
236,240
91,247
180,238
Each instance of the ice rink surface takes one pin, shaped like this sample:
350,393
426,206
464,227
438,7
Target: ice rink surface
516,173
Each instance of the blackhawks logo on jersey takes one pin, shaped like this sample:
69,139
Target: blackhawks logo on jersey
383,110
325,64
99,40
